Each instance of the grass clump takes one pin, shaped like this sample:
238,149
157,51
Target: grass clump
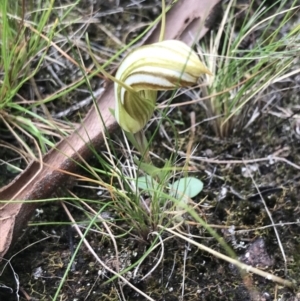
24,44
32,38
250,52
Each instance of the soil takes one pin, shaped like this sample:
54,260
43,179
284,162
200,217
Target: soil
235,201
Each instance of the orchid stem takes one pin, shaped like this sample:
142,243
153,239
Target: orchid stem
142,145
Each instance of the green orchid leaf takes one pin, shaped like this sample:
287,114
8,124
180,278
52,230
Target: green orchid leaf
188,186
183,189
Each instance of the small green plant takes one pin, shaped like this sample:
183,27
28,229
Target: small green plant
241,76
165,65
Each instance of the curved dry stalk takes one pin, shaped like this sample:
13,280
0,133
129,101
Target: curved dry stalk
17,150
18,138
152,248
160,258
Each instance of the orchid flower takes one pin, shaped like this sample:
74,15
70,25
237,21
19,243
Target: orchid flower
165,65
